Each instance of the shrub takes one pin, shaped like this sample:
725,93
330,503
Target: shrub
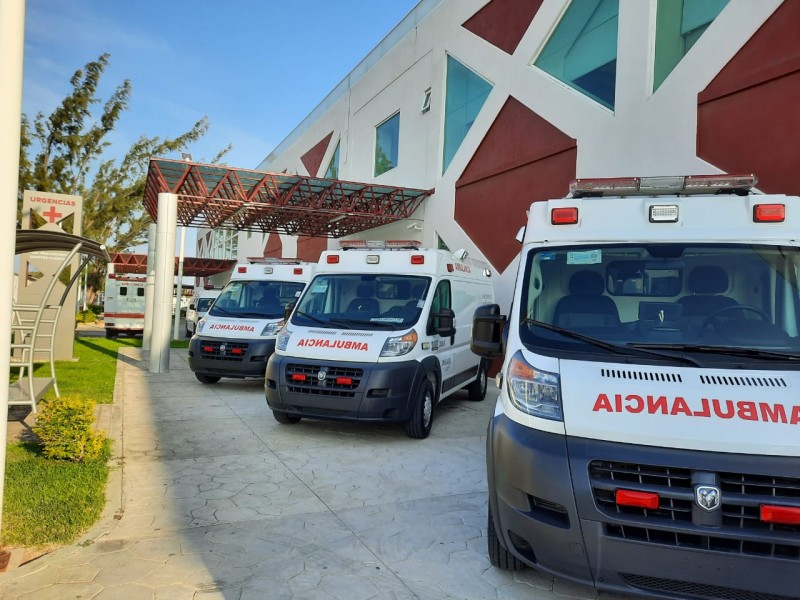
86,316
65,427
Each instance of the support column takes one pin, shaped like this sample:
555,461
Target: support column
179,289
149,286
12,36
164,274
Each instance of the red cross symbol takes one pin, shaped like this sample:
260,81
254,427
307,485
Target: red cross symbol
51,214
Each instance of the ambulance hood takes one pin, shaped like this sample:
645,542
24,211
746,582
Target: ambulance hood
233,327
717,410
337,344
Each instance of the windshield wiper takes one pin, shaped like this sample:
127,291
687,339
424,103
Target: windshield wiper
311,317
624,350
222,310
383,324
754,352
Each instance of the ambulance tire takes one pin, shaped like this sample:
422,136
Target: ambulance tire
285,418
419,425
188,333
477,389
206,378
498,555
110,334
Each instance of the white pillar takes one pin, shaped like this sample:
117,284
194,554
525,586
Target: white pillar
179,289
165,271
12,37
149,286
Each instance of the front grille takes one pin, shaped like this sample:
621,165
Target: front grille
313,385
685,589
225,351
740,532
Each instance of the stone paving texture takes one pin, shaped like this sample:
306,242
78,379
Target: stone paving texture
213,499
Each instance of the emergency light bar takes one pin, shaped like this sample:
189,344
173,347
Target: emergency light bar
263,260
690,184
379,244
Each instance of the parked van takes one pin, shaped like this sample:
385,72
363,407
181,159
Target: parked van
198,307
237,335
646,438
123,309
381,334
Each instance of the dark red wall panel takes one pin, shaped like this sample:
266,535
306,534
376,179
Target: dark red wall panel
309,248
522,158
748,119
502,23
274,247
313,158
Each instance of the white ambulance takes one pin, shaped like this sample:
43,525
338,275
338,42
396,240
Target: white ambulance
123,308
646,437
381,334
237,335
201,301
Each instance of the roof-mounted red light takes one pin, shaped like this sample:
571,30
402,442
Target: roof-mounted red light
785,515
417,259
564,216
636,499
333,259
769,213
241,270
298,271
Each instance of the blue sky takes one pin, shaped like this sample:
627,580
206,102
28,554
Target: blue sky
255,68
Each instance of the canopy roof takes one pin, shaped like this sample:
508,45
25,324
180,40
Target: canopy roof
192,267
220,197
36,240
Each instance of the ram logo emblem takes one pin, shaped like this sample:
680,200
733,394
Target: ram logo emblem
707,497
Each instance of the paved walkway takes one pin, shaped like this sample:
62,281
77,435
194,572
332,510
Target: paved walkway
212,499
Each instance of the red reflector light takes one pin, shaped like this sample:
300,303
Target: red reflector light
333,259
637,499
298,377
417,259
237,351
208,348
769,213
241,270
344,381
564,216
450,268
785,515
298,271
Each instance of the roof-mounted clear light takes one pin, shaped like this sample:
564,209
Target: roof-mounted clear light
664,213
690,184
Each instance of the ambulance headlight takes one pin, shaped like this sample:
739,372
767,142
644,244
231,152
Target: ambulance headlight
400,345
283,339
200,325
271,329
533,391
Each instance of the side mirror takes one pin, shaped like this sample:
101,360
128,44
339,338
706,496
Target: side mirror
488,326
520,237
444,322
287,312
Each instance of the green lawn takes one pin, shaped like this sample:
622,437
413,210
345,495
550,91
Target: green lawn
51,502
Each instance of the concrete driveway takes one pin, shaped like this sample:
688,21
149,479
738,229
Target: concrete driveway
214,499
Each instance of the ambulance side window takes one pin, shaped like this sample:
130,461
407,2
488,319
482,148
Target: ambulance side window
123,291
441,299
140,292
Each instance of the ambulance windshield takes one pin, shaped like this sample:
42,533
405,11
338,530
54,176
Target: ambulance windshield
362,301
255,299
670,295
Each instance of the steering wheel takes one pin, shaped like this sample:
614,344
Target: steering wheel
714,318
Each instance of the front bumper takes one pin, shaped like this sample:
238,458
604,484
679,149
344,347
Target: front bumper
228,357
553,504
349,391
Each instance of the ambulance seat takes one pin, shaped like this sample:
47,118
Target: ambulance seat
706,284
586,306
364,304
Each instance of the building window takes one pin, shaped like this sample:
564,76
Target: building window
582,51
679,24
426,101
465,96
224,244
332,172
387,142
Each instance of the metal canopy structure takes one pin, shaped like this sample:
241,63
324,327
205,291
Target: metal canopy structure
220,197
33,240
192,267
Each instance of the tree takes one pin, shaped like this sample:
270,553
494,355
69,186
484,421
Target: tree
71,145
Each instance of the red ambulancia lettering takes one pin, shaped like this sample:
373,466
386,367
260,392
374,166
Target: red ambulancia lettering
745,410
342,344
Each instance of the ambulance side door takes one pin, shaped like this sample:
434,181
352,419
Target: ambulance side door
442,346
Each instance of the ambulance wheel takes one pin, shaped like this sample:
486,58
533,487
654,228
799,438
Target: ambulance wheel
477,389
206,378
110,334
188,333
285,418
498,555
419,425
